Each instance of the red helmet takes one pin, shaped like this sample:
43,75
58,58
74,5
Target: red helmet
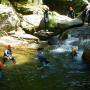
8,46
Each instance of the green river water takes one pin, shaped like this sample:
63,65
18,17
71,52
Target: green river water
62,73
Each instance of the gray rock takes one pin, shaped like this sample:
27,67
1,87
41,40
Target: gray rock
8,18
58,23
30,22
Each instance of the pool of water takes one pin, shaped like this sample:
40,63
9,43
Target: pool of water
62,73
65,72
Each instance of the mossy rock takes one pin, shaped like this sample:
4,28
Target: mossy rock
3,16
64,35
52,22
24,10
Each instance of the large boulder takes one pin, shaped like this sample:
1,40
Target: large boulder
44,35
30,22
15,42
25,36
86,55
58,23
8,18
28,8
9,40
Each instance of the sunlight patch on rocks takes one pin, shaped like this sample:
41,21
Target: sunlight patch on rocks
33,19
6,40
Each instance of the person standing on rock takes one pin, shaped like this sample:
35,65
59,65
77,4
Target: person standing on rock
71,12
88,16
46,19
83,15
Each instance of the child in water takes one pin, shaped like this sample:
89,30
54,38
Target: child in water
43,60
74,52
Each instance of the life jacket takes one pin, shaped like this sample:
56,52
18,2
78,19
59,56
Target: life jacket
7,52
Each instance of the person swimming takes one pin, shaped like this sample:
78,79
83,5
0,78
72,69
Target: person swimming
74,52
43,60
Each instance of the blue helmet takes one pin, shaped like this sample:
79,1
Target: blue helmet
40,55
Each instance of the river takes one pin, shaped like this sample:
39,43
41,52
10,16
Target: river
63,71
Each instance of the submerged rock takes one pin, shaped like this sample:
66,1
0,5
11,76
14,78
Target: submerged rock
86,55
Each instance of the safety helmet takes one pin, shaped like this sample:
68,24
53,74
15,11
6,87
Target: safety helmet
8,46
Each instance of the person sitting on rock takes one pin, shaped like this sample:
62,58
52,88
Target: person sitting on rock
88,16
42,58
8,54
71,13
74,52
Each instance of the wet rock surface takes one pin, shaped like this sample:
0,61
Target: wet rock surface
86,55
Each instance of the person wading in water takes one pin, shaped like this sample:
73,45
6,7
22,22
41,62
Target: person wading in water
8,54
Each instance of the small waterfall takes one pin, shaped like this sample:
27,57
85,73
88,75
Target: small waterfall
66,46
72,42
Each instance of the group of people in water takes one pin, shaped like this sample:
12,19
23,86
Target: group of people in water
40,56
44,61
